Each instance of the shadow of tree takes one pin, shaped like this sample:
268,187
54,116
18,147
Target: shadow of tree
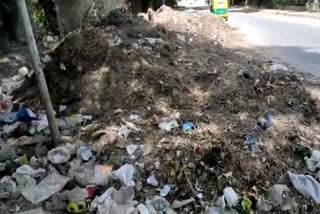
223,91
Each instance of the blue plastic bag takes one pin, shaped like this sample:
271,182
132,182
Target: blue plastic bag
26,115
187,127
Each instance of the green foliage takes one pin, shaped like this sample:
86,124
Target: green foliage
278,4
246,205
38,15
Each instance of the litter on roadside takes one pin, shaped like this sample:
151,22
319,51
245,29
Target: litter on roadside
45,189
188,127
165,190
278,67
27,170
59,155
126,175
304,184
313,163
230,196
152,180
177,204
85,153
169,125
251,143
265,123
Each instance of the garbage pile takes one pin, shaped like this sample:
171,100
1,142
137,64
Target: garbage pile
153,123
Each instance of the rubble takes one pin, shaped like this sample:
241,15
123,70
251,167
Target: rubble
148,127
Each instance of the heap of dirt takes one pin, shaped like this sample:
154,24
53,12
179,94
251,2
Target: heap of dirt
180,68
200,24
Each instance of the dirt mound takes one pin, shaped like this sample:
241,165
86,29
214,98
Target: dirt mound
192,22
180,68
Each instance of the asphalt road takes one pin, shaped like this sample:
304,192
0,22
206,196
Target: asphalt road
295,41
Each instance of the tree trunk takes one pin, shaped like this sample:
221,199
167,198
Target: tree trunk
42,85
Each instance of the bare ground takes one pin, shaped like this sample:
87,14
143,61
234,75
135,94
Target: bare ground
191,75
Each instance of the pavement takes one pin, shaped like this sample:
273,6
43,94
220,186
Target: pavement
292,13
291,36
301,14
295,41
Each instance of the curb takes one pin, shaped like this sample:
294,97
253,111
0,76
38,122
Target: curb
288,13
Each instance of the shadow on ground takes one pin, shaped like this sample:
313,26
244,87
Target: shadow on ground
171,69
223,91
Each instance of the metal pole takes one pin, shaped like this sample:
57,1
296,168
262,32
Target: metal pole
41,80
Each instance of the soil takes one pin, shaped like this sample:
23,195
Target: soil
188,74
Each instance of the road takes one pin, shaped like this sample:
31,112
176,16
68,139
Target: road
295,41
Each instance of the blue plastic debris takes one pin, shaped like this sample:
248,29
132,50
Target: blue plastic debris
187,126
266,122
251,143
26,115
